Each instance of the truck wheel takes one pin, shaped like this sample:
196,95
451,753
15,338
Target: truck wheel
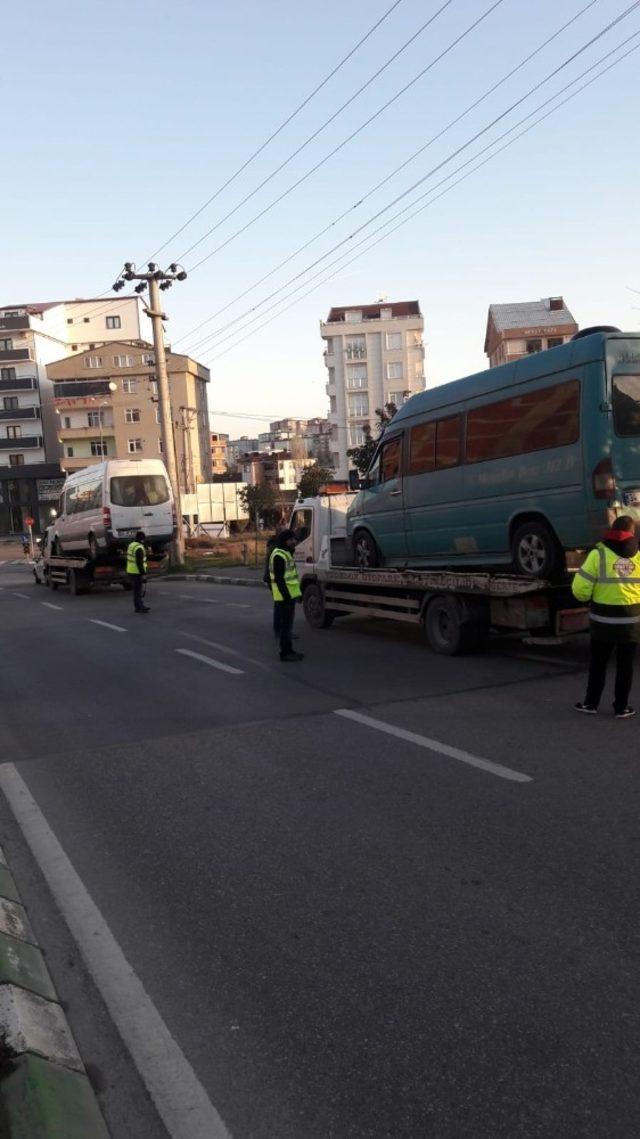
535,551
446,633
314,608
94,550
73,583
36,578
365,550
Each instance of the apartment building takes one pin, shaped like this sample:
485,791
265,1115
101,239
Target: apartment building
106,403
374,355
277,468
34,335
522,328
219,453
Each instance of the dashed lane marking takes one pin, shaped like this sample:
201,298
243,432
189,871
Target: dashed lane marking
436,746
190,597
108,625
209,660
24,596
50,605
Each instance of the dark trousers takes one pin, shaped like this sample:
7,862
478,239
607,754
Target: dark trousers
283,614
138,586
599,653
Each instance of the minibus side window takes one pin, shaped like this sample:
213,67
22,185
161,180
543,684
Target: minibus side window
390,459
422,448
448,442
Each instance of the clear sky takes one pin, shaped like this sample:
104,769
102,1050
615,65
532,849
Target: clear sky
120,119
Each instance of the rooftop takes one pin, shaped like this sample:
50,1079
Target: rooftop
35,308
372,312
546,312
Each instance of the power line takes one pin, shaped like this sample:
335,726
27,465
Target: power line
336,149
279,129
442,193
386,179
430,173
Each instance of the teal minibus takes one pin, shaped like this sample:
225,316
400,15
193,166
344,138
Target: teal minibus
518,465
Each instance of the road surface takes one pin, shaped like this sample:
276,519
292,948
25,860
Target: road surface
378,894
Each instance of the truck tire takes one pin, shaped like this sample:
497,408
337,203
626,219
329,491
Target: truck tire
365,552
315,609
94,550
445,630
535,551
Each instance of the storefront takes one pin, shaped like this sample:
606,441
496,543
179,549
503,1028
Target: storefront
28,492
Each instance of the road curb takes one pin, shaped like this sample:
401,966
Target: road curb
44,1089
218,579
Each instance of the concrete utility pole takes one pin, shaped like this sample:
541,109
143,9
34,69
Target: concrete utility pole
156,279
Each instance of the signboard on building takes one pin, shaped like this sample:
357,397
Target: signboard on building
49,490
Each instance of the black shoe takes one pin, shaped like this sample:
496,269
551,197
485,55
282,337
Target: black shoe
588,708
291,656
626,713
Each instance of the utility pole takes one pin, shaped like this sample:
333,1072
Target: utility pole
156,279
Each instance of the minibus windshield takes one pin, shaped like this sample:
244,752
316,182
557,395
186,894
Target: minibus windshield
139,490
626,404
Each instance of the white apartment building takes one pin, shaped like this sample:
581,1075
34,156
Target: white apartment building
34,335
374,355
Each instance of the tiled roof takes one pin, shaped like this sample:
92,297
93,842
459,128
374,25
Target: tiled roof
536,314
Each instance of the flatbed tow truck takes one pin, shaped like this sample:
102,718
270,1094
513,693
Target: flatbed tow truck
82,574
457,609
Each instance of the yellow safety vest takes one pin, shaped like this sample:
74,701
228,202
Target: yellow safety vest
291,579
612,585
132,564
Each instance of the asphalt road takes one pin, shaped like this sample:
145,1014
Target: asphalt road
345,932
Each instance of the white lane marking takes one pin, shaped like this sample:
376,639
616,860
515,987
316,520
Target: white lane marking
107,625
190,597
179,1097
50,605
24,596
226,649
540,660
209,661
236,605
435,745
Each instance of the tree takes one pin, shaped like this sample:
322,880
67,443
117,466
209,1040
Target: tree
312,479
258,500
361,456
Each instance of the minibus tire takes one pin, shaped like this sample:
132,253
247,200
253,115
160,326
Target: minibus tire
315,609
445,630
534,550
365,541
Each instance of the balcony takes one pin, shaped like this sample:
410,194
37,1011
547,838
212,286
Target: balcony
355,353
19,384
11,323
104,432
14,355
16,413
330,389
69,393
23,443
79,462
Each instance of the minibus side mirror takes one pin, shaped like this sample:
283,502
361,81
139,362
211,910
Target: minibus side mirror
356,482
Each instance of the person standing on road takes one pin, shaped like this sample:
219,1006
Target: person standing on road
285,589
137,570
610,580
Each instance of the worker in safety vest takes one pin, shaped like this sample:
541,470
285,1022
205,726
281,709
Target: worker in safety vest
610,580
285,588
137,570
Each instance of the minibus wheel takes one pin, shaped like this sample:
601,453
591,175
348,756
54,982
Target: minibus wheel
534,550
365,550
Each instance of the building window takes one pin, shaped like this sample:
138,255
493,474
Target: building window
161,446
134,445
6,345
98,446
329,348
386,313
448,442
359,404
356,376
130,386
69,452
157,414
357,435
67,422
7,373
393,341
69,320
10,402
353,316
16,460
93,362
113,322
396,398
394,370
95,419
14,432
85,320
74,347
332,375
154,388
332,403
124,361
149,361
533,346
132,415
555,341
356,347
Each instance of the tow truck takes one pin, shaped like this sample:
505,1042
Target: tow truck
82,574
458,610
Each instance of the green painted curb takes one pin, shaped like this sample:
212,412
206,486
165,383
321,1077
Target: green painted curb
40,1100
8,886
23,964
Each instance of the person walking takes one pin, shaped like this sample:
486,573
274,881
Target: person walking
610,580
137,570
285,590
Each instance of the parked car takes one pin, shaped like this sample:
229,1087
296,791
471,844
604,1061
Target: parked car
102,507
